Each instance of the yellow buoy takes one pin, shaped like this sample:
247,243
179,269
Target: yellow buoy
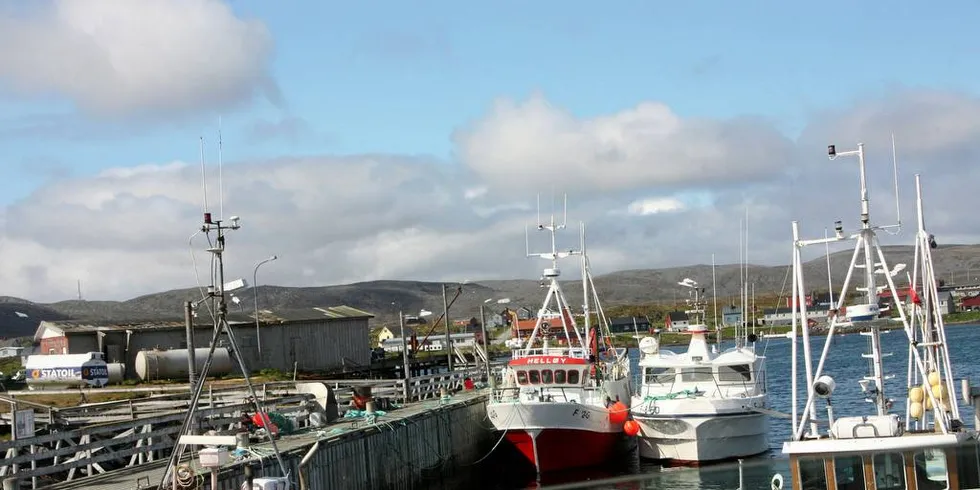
915,394
934,378
939,391
915,410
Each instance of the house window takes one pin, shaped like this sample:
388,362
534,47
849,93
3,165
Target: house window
930,469
560,376
738,372
573,377
889,469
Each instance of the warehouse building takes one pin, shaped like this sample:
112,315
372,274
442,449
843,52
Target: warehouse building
311,339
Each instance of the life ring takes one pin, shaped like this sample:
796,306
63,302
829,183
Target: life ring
777,482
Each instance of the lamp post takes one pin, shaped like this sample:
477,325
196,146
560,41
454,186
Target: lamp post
483,331
255,299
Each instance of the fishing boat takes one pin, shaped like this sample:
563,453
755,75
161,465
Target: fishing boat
925,446
701,406
565,393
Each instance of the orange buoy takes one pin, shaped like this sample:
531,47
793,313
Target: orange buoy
631,427
618,413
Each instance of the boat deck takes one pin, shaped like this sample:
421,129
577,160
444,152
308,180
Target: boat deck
299,442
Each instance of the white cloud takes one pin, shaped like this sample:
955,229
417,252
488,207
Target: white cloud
121,58
330,219
644,207
647,145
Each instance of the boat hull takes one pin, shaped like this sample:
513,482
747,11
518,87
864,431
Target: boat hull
554,436
693,440
551,450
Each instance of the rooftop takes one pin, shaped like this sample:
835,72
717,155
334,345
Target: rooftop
266,317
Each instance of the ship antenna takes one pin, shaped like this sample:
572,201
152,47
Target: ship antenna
204,178
221,183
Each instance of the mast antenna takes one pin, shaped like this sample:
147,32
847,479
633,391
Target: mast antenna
221,180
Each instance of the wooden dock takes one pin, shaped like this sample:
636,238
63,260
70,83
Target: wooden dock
424,435
394,451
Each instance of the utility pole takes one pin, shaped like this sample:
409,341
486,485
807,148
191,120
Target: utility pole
401,327
449,339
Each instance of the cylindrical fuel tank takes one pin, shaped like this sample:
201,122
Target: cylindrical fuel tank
172,364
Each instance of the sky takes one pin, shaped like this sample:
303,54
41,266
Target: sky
383,140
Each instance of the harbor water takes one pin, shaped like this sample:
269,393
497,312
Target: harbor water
844,363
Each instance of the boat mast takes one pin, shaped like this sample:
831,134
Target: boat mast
551,274
585,294
714,298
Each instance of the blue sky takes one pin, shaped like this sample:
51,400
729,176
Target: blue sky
398,78
394,78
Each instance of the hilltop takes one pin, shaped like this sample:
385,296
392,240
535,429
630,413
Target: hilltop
386,298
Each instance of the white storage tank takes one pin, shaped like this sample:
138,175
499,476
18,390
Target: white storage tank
117,372
172,364
57,371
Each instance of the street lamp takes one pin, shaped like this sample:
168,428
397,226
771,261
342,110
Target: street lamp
255,299
483,331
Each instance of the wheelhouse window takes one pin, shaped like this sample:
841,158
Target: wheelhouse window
967,467
547,376
738,372
849,472
573,377
534,376
930,470
889,471
560,376
697,375
522,377
658,375
812,475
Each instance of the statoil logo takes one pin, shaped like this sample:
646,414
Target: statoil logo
36,373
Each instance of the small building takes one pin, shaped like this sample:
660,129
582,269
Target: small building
971,304
676,321
311,339
731,316
629,324
11,351
947,304
387,333
777,316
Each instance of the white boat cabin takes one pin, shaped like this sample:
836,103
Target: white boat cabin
910,461
734,372
550,371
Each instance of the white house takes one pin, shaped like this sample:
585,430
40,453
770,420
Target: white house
435,342
11,351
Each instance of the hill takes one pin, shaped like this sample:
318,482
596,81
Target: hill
386,298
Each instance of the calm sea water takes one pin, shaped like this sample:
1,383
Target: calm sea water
844,363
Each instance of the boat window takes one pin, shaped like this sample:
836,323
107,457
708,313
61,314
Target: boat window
522,377
812,474
889,471
547,377
697,374
534,376
967,467
573,376
930,470
560,376
659,375
738,372
849,472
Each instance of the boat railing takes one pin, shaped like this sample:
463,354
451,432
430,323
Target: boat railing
576,352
